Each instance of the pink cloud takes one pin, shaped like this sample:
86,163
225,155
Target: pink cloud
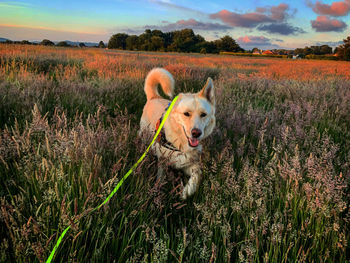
279,12
341,8
241,20
261,9
325,24
261,15
249,42
253,39
270,19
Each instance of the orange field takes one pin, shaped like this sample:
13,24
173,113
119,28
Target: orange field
127,64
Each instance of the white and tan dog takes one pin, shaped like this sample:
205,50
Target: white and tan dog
191,120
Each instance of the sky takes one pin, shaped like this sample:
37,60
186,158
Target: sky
252,23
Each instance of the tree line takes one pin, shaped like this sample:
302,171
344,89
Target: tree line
47,42
178,41
314,50
342,52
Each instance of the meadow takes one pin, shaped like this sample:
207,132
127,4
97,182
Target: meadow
276,168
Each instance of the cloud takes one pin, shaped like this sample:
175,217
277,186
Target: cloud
249,42
248,20
270,19
253,40
261,15
170,5
190,23
194,24
279,12
325,24
330,43
127,30
341,8
281,28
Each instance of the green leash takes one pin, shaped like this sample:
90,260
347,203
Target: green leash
166,115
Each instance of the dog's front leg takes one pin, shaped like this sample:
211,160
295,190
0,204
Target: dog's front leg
160,172
191,187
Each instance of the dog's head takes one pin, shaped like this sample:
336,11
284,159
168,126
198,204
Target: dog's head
195,113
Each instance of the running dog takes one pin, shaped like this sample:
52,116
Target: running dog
191,120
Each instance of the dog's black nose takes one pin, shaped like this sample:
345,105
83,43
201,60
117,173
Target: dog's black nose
196,133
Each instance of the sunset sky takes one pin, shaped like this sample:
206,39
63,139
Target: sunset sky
265,24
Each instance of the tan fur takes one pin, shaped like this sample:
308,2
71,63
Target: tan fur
178,128
162,77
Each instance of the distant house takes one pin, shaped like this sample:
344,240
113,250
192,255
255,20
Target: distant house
297,56
257,52
268,52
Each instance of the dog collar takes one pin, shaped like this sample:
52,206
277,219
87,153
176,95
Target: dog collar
161,137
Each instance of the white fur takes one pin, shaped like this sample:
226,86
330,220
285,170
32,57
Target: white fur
178,127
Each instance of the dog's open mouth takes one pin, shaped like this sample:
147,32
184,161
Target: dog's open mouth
193,142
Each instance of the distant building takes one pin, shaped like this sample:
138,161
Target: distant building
257,52
268,52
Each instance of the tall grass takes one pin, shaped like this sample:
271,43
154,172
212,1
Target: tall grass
276,169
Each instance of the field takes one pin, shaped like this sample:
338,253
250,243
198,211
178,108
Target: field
276,168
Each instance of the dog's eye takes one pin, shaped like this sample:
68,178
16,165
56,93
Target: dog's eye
203,114
187,114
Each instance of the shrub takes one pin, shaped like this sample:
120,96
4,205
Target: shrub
47,42
63,44
101,44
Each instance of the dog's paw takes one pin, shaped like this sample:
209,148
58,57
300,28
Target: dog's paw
160,174
189,190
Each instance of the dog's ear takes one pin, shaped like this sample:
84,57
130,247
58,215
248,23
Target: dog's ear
208,91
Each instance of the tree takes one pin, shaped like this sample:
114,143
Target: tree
315,50
347,54
336,50
63,44
325,49
308,51
299,51
227,43
47,42
343,51
185,41
132,42
168,38
144,40
181,41
25,42
118,41
157,33
347,42
82,45
101,44
157,43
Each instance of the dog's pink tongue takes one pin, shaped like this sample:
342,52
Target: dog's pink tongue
193,142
